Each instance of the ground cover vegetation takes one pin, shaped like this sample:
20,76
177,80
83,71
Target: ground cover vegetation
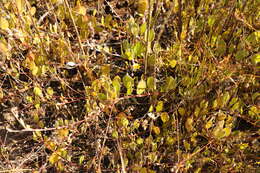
129,86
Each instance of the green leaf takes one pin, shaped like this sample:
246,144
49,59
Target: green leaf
189,124
170,140
138,49
197,111
4,23
253,111
117,85
101,96
225,99
165,117
141,86
124,121
54,158
181,111
115,134
227,131
211,20
37,91
173,63
143,28
151,83
139,141
128,82
209,123
241,54
221,47
255,59
170,84
159,106
186,145
219,133
81,159
50,91
151,35
136,124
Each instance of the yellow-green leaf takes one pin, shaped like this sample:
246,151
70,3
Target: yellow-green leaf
209,124
139,141
181,111
128,82
81,159
189,124
54,158
151,83
20,5
50,91
4,23
173,63
1,93
141,86
156,130
142,6
115,134
165,117
117,85
37,91
227,131
159,106
170,84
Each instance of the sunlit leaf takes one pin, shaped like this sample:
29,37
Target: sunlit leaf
141,86
256,59
139,141
37,91
136,124
115,134
80,9
173,63
20,5
4,23
33,11
136,66
211,20
54,158
227,131
128,82
50,91
159,106
3,48
209,124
